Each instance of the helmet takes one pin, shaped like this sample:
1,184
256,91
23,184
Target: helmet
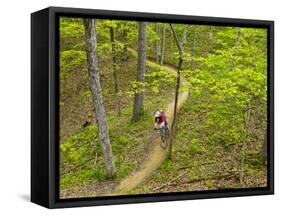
157,114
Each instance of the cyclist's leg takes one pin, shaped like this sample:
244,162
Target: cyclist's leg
162,130
166,124
156,123
166,128
158,120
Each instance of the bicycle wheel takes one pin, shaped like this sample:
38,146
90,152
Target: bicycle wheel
167,133
164,137
163,143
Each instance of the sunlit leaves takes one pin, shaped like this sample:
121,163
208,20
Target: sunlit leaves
71,27
233,77
70,59
80,145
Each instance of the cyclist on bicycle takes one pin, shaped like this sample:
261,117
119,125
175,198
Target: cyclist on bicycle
160,119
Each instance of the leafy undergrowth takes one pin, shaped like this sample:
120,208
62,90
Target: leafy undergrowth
84,146
200,164
82,170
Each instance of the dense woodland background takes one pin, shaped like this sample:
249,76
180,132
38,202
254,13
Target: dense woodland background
220,132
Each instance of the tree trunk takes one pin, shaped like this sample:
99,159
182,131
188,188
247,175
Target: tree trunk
176,92
114,63
156,44
183,40
163,44
171,46
139,97
95,87
125,41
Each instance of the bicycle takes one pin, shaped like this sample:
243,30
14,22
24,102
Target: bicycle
164,135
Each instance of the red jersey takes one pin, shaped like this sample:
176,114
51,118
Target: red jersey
163,117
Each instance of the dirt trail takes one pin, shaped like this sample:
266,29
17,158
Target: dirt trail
156,156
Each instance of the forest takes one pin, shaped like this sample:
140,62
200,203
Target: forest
210,81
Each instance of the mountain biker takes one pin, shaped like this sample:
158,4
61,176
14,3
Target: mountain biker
160,119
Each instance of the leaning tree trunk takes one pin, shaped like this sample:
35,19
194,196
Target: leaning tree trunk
176,92
139,96
156,44
163,44
95,87
114,64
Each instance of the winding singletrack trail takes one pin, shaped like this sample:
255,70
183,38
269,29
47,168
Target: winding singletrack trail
157,155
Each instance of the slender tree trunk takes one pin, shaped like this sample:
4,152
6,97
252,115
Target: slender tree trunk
183,40
192,63
125,49
176,92
95,87
163,44
139,97
114,63
156,44
169,57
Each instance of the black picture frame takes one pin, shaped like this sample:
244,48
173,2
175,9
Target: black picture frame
45,107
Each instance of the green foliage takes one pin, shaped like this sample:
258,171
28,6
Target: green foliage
99,174
234,77
71,34
72,45
71,59
71,27
81,145
195,147
157,79
136,87
209,184
125,35
191,174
